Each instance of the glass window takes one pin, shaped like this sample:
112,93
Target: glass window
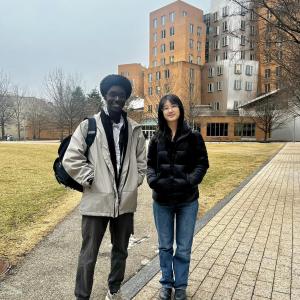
217,129
155,23
172,45
163,20
244,129
172,16
172,31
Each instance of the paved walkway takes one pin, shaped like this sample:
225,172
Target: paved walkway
251,248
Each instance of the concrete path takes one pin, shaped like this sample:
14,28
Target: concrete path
48,272
251,248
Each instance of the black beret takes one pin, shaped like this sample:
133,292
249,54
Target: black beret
113,79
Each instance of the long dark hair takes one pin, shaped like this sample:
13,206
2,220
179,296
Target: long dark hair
163,128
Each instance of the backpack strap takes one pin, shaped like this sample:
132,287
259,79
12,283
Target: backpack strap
91,133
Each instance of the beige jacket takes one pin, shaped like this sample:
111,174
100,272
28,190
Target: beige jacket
102,197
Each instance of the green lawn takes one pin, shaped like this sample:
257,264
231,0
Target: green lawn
32,202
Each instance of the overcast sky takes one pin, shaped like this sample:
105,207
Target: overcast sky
84,37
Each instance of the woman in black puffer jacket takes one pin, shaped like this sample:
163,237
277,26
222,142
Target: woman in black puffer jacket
177,163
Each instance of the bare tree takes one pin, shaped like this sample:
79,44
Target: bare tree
18,109
67,108
269,114
94,102
5,102
38,116
279,39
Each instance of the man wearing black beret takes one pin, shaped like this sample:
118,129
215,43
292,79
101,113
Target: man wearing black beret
116,167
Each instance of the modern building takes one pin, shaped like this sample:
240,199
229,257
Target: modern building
215,63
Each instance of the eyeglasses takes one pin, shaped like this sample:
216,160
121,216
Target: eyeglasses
172,107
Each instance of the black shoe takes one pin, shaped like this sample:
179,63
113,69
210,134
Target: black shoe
165,293
180,294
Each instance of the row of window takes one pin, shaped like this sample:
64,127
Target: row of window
278,72
238,55
163,19
237,70
237,86
221,129
158,75
225,27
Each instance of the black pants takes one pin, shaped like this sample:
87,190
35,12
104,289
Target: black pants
93,229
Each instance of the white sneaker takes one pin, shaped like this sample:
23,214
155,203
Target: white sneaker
115,296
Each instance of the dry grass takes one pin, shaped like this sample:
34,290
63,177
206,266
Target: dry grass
32,202
230,164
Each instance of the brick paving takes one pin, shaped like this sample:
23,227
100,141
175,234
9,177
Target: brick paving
251,248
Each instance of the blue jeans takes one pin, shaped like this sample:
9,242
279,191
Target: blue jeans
175,268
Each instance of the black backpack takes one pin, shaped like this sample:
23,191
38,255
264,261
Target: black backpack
60,173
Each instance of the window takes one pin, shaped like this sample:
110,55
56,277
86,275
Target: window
163,20
249,70
216,44
155,37
244,129
278,71
252,44
267,87
198,46
243,40
217,129
210,72
199,30
215,16
225,55
167,73
150,91
269,14
238,69
157,90
172,31
267,73
149,108
217,30
198,60
171,59
252,30
243,24
172,16
249,86
219,85
252,15
219,70
163,34
242,54
162,61
191,58
192,73
243,11
155,51
252,56
157,75
280,55
225,26
191,43
235,105
225,41
191,88
150,77
172,45
191,28
184,13
217,57
210,87
216,106
225,11
267,57
154,63
155,23
163,48
237,84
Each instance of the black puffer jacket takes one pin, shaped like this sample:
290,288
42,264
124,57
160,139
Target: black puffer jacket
175,168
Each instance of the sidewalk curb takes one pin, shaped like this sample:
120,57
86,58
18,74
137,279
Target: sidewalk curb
133,286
